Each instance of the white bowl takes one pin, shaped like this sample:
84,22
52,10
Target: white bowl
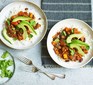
84,28
14,8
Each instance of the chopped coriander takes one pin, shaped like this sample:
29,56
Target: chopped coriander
4,64
87,47
32,22
8,73
5,54
2,73
30,35
10,62
14,39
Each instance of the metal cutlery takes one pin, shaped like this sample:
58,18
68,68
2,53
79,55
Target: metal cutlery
24,60
32,68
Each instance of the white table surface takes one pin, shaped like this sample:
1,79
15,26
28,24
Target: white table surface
82,76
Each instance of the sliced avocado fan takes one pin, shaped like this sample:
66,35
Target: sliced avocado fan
24,30
25,23
68,40
78,48
77,43
80,43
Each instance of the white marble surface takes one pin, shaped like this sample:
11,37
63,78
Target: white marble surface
82,76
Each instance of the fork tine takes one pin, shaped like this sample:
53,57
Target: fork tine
25,60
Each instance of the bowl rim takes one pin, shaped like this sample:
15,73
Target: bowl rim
48,46
45,27
14,67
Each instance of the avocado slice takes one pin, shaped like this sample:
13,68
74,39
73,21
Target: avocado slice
21,18
68,40
4,33
24,30
25,23
80,43
78,48
72,52
64,33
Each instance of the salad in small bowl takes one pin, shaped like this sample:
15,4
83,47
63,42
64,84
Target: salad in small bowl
22,26
7,66
70,43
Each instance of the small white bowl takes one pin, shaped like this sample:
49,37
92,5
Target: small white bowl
14,8
84,28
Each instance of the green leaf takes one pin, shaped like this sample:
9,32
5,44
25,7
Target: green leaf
32,22
87,47
10,62
30,35
4,64
14,39
8,73
2,73
5,54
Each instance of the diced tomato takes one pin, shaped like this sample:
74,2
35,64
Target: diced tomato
14,23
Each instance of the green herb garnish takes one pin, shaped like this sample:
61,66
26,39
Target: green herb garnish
5,54
30,35
32,22
4,64
14,39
